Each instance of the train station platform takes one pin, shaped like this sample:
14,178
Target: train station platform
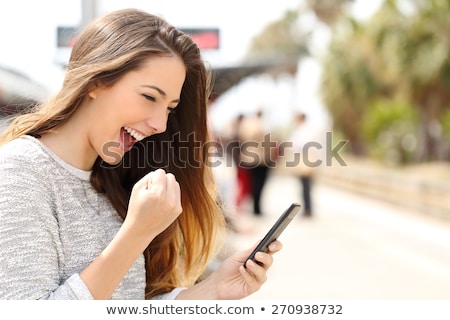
354,247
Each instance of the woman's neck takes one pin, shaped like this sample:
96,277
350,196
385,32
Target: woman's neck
70,142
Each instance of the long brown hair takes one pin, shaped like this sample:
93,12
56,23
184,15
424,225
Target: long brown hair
108,48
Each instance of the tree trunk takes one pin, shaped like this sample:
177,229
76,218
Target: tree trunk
430,138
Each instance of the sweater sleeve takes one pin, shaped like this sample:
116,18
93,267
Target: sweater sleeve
31,250
169,295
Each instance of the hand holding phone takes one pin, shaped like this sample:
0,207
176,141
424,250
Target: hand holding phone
275,231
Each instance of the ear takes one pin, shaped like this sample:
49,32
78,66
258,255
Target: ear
93,91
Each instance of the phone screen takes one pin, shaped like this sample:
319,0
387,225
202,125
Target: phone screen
276,230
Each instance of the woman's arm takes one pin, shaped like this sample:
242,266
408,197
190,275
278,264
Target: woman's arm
154,204
29,238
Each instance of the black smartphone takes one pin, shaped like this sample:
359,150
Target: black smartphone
275,231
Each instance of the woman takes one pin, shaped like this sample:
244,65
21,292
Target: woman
104,191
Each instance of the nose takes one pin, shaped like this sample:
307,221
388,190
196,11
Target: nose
157,122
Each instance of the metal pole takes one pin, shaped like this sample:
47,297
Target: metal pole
88,11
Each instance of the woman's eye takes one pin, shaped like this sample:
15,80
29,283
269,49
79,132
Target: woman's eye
171,110
149,98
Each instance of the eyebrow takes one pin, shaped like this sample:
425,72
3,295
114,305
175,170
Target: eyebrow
161,91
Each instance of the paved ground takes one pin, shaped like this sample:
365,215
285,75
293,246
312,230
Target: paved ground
353,248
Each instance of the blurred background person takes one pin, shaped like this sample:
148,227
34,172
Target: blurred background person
233,179
232,145
305,161
255,155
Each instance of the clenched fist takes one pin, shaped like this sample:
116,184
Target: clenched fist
155,203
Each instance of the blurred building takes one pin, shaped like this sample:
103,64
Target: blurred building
17,92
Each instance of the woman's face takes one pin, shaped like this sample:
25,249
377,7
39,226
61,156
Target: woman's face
135,107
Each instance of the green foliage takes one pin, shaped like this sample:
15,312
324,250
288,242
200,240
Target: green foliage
390,129
328,11
400,54
280,39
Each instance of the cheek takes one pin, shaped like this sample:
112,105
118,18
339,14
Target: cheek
119,105
122,101
112,97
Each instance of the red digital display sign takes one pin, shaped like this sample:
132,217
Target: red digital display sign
205,38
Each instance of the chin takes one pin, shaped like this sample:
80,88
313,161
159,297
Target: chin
112,155
112,161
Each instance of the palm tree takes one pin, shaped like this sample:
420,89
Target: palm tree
328,11
396,54
349,81
281,39
414,47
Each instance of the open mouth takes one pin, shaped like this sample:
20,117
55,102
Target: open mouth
130,137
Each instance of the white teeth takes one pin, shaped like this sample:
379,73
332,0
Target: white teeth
134,133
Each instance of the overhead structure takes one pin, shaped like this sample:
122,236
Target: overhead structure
225,78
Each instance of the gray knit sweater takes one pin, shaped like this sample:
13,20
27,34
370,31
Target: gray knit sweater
52,225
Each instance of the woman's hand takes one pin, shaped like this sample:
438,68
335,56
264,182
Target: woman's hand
155,203
231,280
